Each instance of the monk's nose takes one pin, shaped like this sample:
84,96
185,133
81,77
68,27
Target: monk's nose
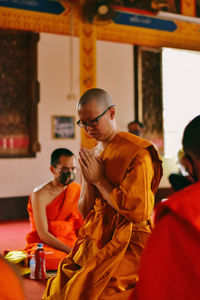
88,128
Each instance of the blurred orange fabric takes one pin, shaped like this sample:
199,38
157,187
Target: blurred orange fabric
10,282
170,264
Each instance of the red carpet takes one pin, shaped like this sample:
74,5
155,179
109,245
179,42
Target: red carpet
12,237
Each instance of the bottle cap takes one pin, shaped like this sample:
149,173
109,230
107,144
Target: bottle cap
40,245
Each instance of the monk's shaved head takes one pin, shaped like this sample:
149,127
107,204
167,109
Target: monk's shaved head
101,97
191,138
97,115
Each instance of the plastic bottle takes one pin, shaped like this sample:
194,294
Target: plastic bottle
32,267
40,270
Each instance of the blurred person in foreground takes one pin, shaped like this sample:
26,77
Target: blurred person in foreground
120,178
170,264
11,286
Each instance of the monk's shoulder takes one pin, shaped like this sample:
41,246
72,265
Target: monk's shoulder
133,140
41,191
43,187
75,185
131,146
136,145
184,203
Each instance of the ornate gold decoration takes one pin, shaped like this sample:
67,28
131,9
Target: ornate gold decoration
188,7
87,33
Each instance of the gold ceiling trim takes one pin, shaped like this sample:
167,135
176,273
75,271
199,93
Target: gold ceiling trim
186,36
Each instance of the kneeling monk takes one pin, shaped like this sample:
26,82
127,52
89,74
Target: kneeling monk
53,211
121,176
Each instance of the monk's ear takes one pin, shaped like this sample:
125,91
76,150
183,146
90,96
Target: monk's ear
187,163
112,112
52,169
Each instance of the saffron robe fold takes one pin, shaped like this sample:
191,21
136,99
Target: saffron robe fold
64,221
10,282
170,264
104,261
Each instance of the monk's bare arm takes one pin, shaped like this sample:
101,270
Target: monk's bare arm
39,203
87,199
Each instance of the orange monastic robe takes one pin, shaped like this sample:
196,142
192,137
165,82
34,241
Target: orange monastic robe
64,221
10,282
104,261
170,264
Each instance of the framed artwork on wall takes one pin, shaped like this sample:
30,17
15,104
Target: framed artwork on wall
149,101
19,94
63,127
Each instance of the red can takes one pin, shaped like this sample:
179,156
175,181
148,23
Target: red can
40,269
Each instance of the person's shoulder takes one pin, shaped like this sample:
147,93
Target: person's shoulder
75,185
133,145
183,198
184,204
43,194
42,189
132,139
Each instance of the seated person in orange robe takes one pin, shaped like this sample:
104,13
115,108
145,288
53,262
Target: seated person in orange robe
53,211
170,264
121,175
10,282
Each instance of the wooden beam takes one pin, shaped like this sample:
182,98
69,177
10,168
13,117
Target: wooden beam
184,36
87,34
188,8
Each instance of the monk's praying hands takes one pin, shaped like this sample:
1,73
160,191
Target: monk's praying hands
91,166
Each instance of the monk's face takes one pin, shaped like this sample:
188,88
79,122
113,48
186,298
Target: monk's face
103,126
65,170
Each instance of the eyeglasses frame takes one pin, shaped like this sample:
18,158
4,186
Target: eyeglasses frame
79,122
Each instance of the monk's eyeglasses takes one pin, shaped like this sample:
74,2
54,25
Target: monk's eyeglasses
94,122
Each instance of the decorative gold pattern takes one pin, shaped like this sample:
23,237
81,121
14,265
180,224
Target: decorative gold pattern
188,7
186,36
87,33
18,94
35,21
150,96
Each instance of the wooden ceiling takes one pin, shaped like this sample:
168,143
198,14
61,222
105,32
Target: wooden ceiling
155,23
